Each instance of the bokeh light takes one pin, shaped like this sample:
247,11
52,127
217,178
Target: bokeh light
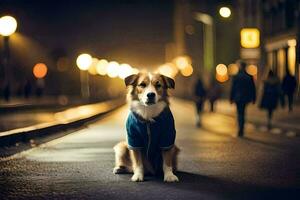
84,61
251,70
225,12
233,69
40,70
102,67
8,25
92,69
112,69
124,71
168,69
187,71
221,69
182,62
222,78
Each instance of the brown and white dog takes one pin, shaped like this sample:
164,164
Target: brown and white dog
151,117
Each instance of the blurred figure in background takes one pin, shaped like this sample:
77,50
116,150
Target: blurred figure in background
214,93
40,85
27,89
199,93
271,95
288,87
6,92
242,93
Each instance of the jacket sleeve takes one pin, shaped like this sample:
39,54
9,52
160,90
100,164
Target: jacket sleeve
134,139
167,138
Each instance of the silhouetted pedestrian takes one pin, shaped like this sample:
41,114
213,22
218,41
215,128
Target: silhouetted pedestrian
40,84
271,95
27,89
6,92
200,93
288,87
213,93
242,92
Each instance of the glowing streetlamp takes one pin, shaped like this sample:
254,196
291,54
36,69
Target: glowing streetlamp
84,62
225,12
40,70
8,26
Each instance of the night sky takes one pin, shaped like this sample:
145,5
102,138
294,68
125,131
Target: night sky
129,31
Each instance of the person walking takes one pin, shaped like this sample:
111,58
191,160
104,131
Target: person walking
242,93
271,96
288,86
213,94
199,93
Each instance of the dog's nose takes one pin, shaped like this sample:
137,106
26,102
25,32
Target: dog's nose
151,95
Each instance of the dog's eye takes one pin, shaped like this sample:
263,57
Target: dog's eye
143,85
158,85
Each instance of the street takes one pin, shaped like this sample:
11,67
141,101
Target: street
213,163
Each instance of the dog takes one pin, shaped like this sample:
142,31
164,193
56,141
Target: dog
150,147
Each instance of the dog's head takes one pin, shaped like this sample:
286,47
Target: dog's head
149,88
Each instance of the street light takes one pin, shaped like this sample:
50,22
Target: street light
8,26
225,12
83,62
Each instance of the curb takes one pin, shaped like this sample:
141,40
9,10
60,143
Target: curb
11,137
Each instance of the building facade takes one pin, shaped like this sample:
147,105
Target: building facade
280,34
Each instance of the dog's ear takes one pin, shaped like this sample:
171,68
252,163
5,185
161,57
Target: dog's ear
131,80
169,82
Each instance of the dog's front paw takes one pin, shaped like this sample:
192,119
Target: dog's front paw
137,177
170,177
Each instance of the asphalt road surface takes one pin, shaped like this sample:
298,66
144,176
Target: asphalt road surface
213,164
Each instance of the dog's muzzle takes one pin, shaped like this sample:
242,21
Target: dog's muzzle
151,98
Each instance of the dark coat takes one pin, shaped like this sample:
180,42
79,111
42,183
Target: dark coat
289,84
271,94
214,92
242,88
199,91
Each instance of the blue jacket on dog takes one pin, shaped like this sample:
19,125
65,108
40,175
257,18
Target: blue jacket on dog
151,137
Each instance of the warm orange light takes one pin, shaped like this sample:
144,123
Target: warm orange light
233,69
250,37
221,69
182,62
222,78
92,69
188,71
251,70
292,59
40,70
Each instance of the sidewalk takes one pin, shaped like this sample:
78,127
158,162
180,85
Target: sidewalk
282,118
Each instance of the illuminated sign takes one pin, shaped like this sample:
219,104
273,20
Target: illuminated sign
250,38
